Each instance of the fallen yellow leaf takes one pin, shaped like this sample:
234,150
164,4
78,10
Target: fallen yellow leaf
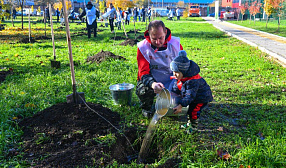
220,129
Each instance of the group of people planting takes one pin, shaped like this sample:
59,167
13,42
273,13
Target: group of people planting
162,63
92,14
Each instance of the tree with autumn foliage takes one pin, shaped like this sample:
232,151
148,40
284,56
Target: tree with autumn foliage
181,4
268,8
254,9
278,7
243,8
60,5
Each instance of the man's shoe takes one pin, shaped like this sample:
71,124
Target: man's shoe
147,113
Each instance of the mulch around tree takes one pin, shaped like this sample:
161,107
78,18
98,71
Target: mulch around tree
71,135
102,56
130,42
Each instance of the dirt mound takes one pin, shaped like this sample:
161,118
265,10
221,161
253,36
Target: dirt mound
132,31
117,38
3,75
70,135
42,38
102,56
130,42
26,40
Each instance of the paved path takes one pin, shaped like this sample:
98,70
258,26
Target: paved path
271,44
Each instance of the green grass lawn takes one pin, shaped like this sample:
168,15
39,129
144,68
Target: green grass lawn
248,87
272,26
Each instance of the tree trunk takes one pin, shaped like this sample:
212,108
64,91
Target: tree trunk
22,15
254,18
242,18
12,16
266,20
278,22
249,18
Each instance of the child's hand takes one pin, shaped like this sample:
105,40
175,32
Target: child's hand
177,109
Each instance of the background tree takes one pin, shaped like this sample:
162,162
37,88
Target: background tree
102,6
278,6
268,8
44,3
60,5
21,3
80,10
180,4
39,10
1,12
243,8
123,4
254,9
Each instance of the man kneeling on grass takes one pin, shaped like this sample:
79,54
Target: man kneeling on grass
192,88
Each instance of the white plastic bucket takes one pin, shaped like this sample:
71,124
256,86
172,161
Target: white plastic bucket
122,93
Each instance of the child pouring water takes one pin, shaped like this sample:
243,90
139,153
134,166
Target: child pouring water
192,88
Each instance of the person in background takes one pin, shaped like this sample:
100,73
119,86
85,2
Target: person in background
119,17
47,14
149,13
62,17
170,14
143,14
111,14
14,13
58,14
127,16
154,55
135,14
139,14
91,14
178,13
192,89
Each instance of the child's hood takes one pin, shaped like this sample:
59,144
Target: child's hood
194,69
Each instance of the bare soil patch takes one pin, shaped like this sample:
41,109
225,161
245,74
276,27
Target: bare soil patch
130,42
102,56
71,135
117,38
132,31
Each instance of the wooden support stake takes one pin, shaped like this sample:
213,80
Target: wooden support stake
69,47
29,28
52,31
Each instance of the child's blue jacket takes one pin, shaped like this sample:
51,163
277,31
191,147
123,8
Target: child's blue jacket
194,90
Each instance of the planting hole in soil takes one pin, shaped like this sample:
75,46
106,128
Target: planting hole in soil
70,135
102,56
